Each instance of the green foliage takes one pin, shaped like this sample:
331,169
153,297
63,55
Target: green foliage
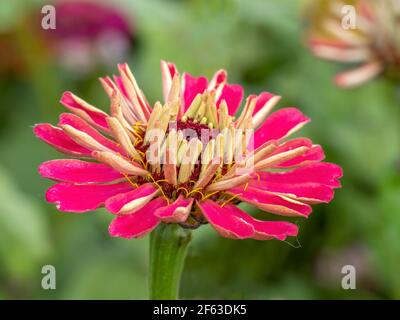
24,241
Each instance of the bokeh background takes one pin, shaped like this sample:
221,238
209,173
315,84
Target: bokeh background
261,44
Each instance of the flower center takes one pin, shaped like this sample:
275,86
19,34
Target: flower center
190,126
189,130
192,157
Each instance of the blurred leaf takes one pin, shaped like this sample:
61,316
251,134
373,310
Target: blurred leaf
385,241
102,278
23,230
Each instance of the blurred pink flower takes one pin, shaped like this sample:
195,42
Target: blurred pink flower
89,33
176,177
372,47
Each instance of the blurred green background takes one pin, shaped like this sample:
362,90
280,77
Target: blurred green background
261,44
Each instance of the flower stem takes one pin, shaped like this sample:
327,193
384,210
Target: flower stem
168,244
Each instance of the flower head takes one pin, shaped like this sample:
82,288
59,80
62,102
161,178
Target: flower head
371,43
187,160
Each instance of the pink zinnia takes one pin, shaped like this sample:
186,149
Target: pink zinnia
175,176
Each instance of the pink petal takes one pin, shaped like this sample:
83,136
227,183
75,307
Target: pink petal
307,192
191,87
222,219
141,99
81,125
78,171
359,75
82,198
176,212
129,107
121,87
218,80
132,200
94,116
265,103
137,224
265,230
271,202
323,173
58,139
279,125
315,154
346,55
233,96
329,42
172,69
168,71
115,90
262,100
293,144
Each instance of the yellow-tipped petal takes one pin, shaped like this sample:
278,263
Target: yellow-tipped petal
119,163
122,137
175,91
265,150
219,147
207,156
133,92
155,115
200,112
208,175
223,115
279,158
169,168
181,151
211,110
229,144
164,118
228,184
192,110
174,109
83,138
189,159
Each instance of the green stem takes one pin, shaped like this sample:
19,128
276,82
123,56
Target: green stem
168,244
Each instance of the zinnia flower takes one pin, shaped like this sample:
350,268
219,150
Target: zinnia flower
188,160
372,47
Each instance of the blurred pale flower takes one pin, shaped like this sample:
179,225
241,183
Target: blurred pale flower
152,166
372,47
